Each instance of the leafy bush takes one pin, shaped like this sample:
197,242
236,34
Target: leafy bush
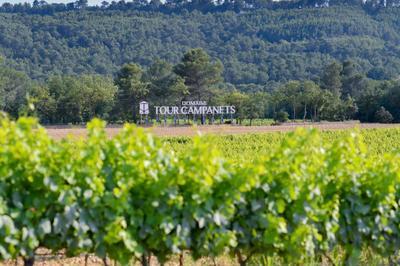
383,116
281,117
128,197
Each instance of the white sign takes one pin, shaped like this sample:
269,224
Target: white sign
194,110
144,108
188,108
194,103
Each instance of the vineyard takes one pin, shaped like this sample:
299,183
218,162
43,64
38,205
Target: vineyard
291,196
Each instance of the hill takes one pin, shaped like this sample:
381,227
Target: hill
256,46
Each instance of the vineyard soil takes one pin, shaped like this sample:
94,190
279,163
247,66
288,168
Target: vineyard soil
59,132
91,260
60,260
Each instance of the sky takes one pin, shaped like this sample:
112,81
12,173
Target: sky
91,2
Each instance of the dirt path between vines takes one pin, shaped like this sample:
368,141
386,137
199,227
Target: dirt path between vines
77,132
91,260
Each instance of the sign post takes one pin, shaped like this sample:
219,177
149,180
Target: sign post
144,110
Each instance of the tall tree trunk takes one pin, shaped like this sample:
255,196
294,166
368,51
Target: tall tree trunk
315,114
305,113
134,112
294,112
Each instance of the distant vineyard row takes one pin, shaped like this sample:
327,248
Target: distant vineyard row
248,147
129,197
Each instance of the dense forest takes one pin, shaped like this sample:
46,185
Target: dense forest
260,46
316,60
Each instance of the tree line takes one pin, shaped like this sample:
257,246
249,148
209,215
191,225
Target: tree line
340,93
173,6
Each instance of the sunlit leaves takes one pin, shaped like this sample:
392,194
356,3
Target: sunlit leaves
129,196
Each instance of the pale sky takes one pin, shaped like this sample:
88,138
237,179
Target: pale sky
91,2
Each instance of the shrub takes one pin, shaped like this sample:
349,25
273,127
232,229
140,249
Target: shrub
383,116
281,117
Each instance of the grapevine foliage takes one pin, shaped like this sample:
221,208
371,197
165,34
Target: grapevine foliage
129,197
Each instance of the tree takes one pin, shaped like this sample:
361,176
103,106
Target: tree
45,105
99,93
199,73
348,69
276,99
239,100
330,106
348,108
308,93
281,116
353,83
383,116
290,93
314,98
131,89
391,99
79,99
164,85
14,89
331,79
336,109
155,4
36,3
369,101
254,106
105,4
81,4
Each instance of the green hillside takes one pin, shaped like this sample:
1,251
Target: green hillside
257,46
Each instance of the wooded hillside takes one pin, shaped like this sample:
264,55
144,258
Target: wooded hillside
255,46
